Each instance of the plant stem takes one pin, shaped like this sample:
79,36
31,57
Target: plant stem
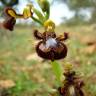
38,21
57,69
39,14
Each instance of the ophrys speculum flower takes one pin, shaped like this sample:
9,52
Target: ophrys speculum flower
51,46
11,16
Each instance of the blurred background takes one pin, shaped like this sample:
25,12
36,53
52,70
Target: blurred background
23,73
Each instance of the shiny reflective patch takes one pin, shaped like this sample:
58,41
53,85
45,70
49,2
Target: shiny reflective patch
51,42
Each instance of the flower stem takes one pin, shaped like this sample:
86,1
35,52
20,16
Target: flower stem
57,69
39,14
36,20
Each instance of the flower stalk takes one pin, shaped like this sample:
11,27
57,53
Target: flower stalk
58,71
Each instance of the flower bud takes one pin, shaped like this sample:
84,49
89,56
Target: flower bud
68,67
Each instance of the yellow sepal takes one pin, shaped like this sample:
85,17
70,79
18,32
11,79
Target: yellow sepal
12,13
27,11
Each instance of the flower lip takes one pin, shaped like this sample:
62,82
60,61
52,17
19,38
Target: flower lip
52,53
10,19
9,23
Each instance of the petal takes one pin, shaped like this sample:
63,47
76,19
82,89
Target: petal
63,37
38,35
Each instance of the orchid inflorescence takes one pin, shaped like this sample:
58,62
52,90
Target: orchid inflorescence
51,46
